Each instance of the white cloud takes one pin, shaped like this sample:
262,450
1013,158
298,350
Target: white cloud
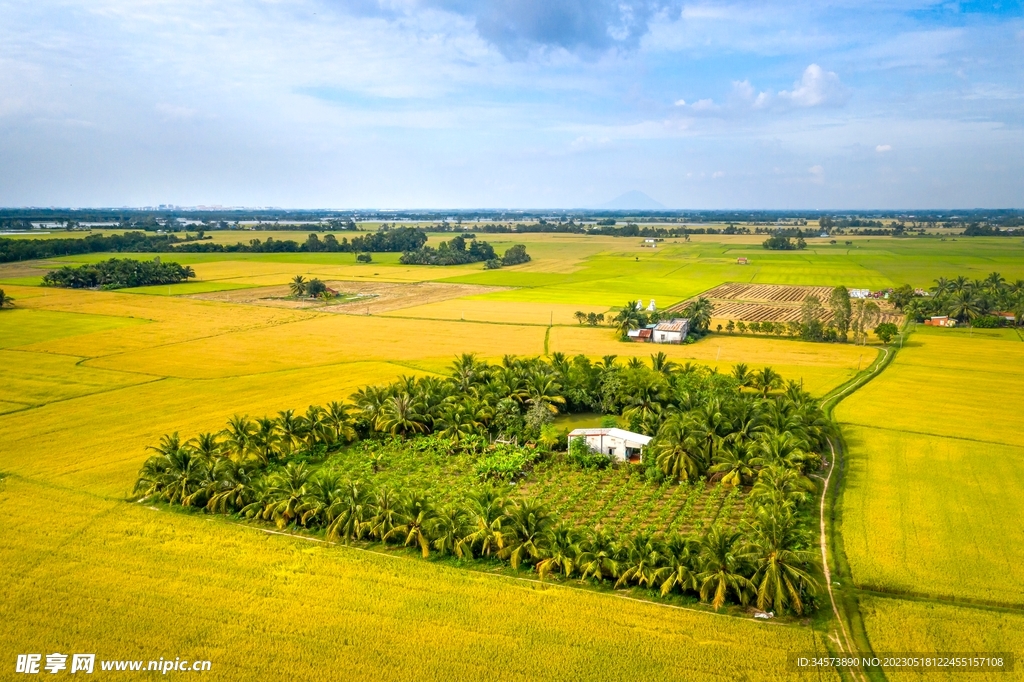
718,174
816,87
680,102
816,170
745,92
882,148
704,105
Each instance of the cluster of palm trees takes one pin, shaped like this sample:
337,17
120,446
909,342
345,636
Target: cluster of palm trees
768,560
633,316
747,429
967,300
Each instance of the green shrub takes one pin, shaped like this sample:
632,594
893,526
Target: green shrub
505,462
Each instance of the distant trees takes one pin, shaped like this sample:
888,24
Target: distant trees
781,242
969,301
139,242
118,273
886,331
592,319
456,252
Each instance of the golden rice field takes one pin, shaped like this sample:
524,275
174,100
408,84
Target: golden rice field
901,625
931,506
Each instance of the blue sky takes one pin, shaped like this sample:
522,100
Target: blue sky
511,103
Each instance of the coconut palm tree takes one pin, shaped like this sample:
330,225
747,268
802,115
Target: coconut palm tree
298,285
721,568
964,305
699,313
286,494
416,513
350,512
681,554
239,436
642,557
562,553
630,317
782,485
323,489
488,511
387,513
766,381
402,415
527,540
5,300
597,557
448,527
338,419
292,428
544,390
265,440
174,473
785,566
187,272
232,488
741,373
206,445
660,363
370,401
677,449
734,463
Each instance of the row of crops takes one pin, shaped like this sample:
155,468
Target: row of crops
623,501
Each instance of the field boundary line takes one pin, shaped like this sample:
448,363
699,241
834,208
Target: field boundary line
934,435
949,600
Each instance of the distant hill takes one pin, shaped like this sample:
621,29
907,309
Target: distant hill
635,200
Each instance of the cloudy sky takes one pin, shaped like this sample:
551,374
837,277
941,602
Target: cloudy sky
511,103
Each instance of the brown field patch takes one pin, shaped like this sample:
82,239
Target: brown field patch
369,297
739,301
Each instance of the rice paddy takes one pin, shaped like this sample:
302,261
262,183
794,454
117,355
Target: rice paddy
934,489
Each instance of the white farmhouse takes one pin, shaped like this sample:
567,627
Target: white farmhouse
671,331
622,445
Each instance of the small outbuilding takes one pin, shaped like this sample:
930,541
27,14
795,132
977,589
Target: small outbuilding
671,331
619,444
742,260
940,321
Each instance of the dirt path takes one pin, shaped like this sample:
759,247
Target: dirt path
370,297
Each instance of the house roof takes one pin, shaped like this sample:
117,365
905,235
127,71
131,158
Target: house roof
625,435
676,325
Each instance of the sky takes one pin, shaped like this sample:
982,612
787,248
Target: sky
511,103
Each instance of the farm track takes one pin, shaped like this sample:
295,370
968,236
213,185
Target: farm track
846,609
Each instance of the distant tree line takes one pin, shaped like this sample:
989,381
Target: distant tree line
749,430
118,273
396,240
136,242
